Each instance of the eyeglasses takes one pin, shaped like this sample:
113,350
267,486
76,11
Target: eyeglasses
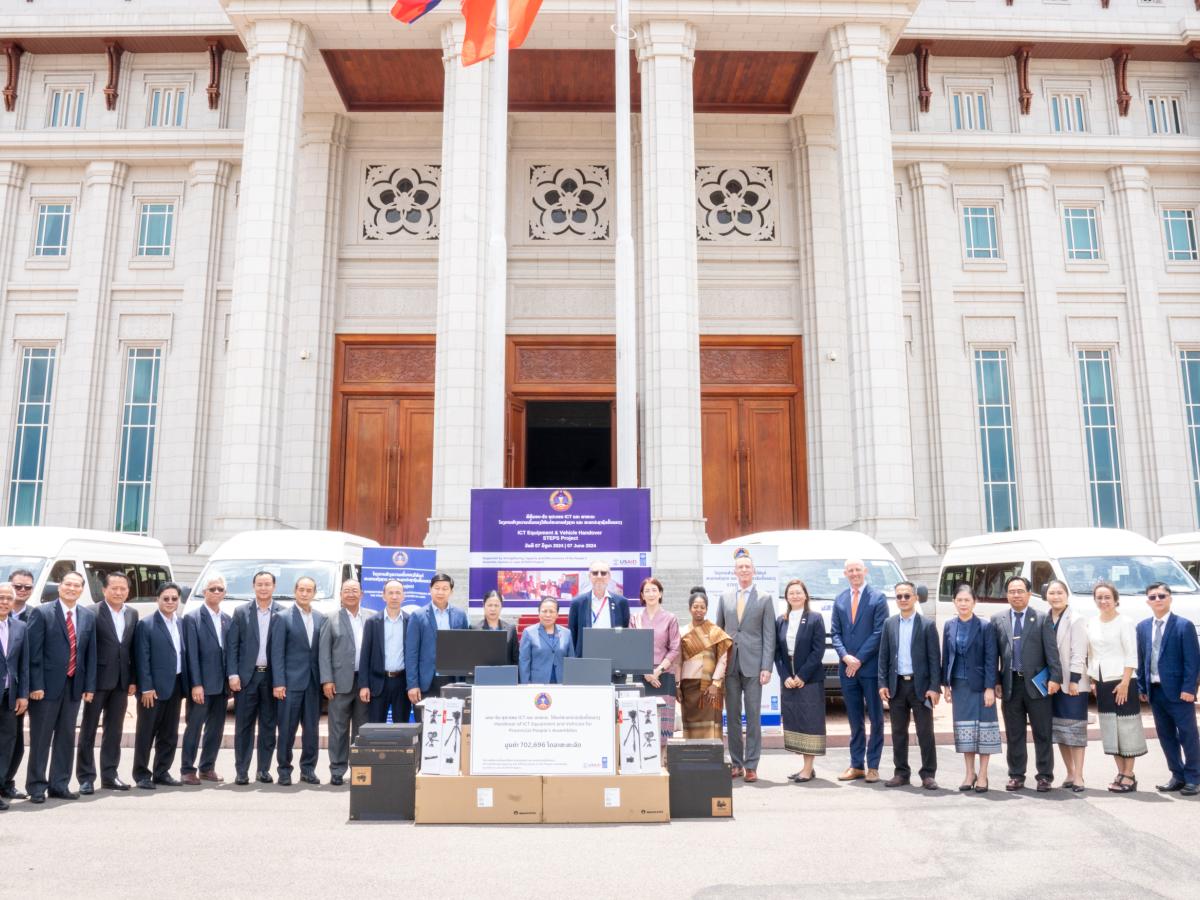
1017,592
599,571
904,596
22,587
1157,596
215,590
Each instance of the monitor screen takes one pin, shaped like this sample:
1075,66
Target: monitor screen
630,649
459,651
586,671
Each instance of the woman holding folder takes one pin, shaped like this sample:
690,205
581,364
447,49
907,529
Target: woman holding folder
666,647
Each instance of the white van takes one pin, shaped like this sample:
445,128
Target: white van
328,557
1078,556
818,558
1185,548
50,553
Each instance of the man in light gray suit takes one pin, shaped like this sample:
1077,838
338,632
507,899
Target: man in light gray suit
340,651
749,618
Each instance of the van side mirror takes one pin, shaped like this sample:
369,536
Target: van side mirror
184,593
50,592
922,593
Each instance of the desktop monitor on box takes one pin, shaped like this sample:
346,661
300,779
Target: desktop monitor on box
459,651
630,649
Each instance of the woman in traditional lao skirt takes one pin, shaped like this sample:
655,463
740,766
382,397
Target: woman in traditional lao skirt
799,651
705,649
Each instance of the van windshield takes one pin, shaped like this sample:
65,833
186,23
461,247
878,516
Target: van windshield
34,564
1129,574
239,577
824,578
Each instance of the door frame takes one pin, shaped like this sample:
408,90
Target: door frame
344,388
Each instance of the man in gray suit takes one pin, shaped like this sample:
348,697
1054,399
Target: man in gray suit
1025,644
749,618
340,651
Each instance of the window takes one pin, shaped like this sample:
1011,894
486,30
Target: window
986,580
994,413
139,422
53,229
27,478
1067,113
167,106
969,111
1190,361
1164,112
1041,573
64,108
155,229
1081,234
980,238
1100,437
144,578
1179,232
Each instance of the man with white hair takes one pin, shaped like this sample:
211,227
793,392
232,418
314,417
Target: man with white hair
597,608
205,633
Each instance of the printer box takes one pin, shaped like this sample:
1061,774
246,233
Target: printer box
478,800
606,798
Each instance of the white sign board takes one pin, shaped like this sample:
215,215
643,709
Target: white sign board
543,729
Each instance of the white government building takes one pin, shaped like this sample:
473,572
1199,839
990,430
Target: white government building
923,269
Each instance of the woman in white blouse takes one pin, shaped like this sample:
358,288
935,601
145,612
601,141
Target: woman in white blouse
1112,664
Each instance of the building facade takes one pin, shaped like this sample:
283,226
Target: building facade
923,269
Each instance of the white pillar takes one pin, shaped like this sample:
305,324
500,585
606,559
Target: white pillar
253,423
671,352
879,412
309,365
462,268
77,436
1054,477
1153,427
184,433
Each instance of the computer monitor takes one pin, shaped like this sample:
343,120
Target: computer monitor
630,649
459,651
496,675
587,671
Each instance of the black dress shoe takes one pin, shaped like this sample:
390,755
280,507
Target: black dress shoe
284,780
242,779
37,798
264,778
336,780
3,803
1043,785
146,784
115,785
1190,790
168,780
87,788
310,779
63,795
13,793
1174,784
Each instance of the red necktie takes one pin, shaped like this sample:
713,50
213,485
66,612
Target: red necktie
854,607
71,641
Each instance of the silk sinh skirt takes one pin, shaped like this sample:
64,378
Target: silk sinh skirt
976,726
803,712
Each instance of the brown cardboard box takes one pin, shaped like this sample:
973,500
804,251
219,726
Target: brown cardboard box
467,800
603,798
464,756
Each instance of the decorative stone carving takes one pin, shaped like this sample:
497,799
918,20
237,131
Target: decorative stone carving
746,365
566,365
569,202
402,203
375,364
735,205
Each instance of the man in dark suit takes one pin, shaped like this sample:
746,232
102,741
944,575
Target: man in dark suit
910,680
597,608
1169,668
14,677
749,619
115,624
383,659
420,640
1025,645
205,633
248,664
22,585
62,673
162,683
296,676
856,627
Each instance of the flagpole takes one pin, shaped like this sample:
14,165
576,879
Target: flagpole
496,292
625,305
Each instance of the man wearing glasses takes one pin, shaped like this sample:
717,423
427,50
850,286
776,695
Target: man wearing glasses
205,632
597,608
1168,671
162,679
22,585
910,668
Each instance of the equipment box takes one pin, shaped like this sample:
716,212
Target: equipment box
479,800
701,791
605,798
382,783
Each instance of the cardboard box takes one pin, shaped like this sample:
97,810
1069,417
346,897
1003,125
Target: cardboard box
470,800
606,798
701,791
465,768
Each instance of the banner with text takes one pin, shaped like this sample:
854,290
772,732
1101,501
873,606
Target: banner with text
530,543
411,566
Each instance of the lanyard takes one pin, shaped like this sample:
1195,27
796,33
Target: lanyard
596,614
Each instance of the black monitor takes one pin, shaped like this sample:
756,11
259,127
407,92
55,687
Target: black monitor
587,671
496,675
459,650
630,649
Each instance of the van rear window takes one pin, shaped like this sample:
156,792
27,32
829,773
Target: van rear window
144,578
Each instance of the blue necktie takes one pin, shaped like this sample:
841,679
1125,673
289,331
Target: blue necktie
1017,625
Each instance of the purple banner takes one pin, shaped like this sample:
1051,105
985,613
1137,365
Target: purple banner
530,543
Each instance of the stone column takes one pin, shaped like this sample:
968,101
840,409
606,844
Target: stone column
78,441
1152,428
254,386
185,434
462,270
309,365
1054,473
671,462
879,414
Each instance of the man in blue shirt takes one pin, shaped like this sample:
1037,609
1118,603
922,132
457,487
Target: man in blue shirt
910,667
420,640
385,686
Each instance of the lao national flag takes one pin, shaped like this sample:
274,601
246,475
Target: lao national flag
479,42
410,10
